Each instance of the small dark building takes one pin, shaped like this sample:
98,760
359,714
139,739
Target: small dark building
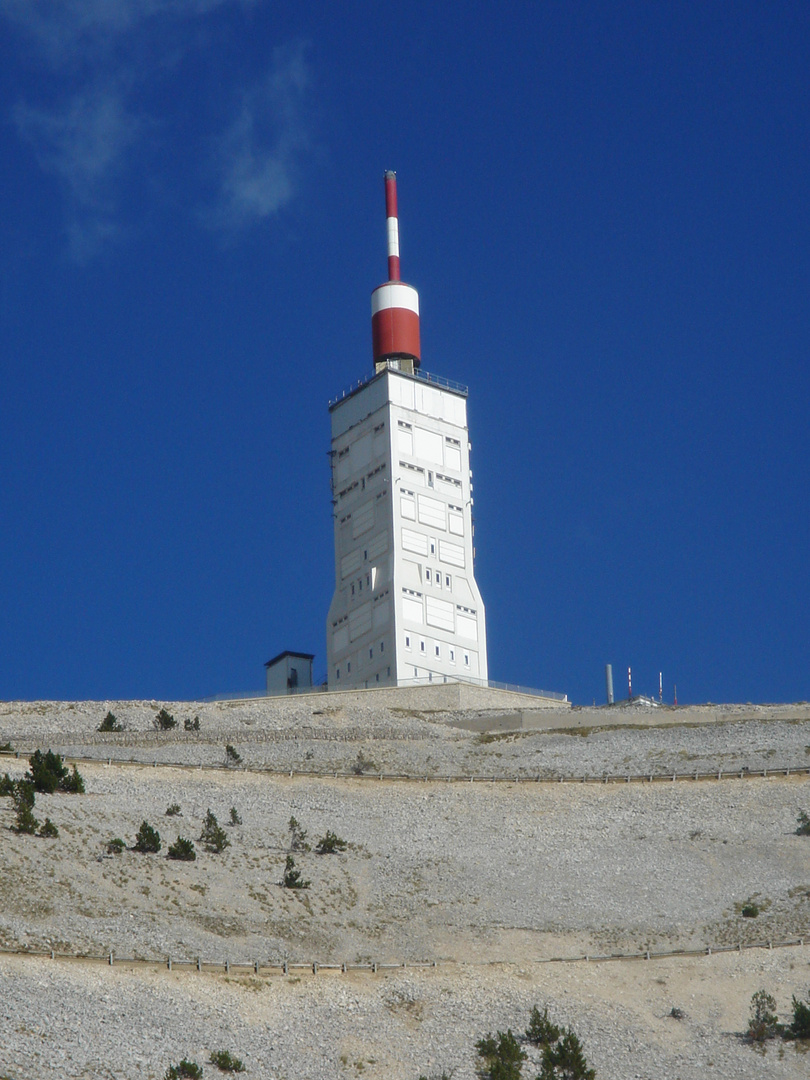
289,672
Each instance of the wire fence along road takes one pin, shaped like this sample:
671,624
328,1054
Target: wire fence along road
268,968
458,778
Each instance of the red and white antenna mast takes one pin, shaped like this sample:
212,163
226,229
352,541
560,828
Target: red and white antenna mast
394,305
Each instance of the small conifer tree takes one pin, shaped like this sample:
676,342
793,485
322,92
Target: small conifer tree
23,798
49,829
164,721
213,835
148,839
292,876
800,1026
565,1061
541,1031
502,1056
298,836
110,723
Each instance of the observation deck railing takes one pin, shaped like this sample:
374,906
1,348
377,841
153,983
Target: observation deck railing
423,376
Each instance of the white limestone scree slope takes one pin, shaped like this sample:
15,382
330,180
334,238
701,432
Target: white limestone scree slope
406,607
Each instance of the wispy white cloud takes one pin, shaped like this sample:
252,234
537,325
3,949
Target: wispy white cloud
260,152
91,127
84,143
61,27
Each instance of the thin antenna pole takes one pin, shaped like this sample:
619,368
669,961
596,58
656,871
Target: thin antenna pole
392,221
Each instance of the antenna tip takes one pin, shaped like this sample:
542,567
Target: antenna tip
390,174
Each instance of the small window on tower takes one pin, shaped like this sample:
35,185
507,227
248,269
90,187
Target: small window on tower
407,641
428,576
349,667
447,581
452,656
337,672
382,646
466,659
421,646
438,651
371,654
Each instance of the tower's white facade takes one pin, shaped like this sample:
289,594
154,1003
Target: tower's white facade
406,606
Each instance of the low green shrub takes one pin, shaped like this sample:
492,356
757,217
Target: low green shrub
48,829
115,846
164,721
213,835
750,909
803,824
173,809
182,850
363,764
6,785
232,755
110,723
184,1070
329,844
292,877
236,818
148,839
6,748
192,725
226,1062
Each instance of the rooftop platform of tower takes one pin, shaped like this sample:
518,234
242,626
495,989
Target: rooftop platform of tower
392,365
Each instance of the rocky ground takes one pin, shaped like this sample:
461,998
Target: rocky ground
487,880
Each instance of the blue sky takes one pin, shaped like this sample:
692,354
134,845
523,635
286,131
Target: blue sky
604,207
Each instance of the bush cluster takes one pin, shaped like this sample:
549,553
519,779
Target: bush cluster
226,1062
48,773
184,1070
329,844
182,850
192,725
764,1023
502,1055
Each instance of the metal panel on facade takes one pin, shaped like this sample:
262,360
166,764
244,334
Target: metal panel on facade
439,613
451,553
